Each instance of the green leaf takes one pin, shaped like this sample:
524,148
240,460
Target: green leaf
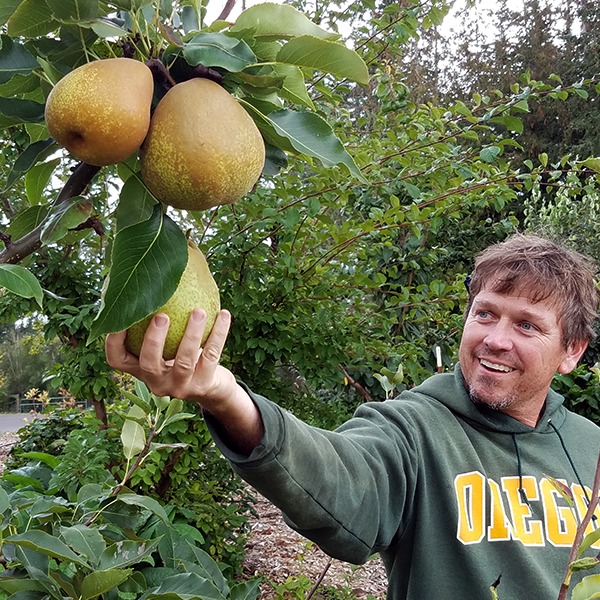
44,457
65,582
66,216
149,256
185,586
105,28
563,490
172,419
175,407
26,221
294,85
136,203
589,540
74,10
4,501
489,153
145,502
133,435
137,401
15,59
21,586
33,18
99,582
7,8
245,590
33,154
278,21
209,568
37,178
592,163
84,540
14,111
20,281
305,133
587,589
46,544
218,50
583,564
511,123
324,55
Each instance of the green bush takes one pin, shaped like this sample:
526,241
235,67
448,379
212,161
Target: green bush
182,469
581,390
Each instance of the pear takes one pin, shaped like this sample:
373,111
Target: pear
203,149
196,289
100,112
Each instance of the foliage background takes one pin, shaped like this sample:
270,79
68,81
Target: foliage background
341,287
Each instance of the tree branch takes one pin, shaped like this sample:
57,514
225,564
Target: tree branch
579,535
80,178
226,10
357,386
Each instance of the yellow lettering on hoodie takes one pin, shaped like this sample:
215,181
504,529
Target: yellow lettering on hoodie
470,494
525,529
510,517
561,524
499,528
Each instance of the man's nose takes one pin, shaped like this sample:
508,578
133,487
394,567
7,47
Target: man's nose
499,337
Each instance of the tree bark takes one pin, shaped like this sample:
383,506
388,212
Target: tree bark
16,251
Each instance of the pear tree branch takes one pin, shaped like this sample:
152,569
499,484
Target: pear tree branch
20,249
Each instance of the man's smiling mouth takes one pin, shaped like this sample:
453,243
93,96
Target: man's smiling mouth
495,366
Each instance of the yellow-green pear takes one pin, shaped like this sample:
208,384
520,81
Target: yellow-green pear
203,149
100,112
196,289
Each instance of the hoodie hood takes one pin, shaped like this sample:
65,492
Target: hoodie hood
450,389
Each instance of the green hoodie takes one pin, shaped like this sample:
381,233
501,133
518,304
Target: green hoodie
452,494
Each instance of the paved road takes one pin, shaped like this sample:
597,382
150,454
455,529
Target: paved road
10,422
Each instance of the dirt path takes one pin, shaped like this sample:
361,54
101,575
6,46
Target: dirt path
278,552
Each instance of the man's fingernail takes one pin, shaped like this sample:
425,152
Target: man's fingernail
160,320
198,315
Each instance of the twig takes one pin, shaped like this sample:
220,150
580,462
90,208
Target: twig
580,533
357,386
80,178
319,581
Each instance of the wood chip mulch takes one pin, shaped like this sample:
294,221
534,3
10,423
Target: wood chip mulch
276,551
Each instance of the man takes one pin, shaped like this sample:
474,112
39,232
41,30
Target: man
450,482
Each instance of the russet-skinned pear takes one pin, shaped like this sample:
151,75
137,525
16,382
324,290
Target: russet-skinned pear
100,112
203,149
196,289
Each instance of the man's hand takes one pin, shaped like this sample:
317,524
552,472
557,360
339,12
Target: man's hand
194,374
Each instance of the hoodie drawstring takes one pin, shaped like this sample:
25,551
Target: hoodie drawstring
564,447
520,471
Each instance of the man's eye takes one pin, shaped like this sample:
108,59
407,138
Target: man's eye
483,314
527,326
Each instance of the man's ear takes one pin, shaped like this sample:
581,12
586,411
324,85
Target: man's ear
571,357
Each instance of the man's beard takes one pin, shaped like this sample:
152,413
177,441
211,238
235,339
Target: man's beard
500,404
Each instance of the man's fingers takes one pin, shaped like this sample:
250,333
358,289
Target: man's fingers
189,347
216,341
116,353
151,359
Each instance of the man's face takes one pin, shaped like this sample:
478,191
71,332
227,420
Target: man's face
510,350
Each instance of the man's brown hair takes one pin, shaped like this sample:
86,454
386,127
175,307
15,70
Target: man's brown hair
541,269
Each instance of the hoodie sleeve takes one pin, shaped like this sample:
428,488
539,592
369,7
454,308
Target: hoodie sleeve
348,490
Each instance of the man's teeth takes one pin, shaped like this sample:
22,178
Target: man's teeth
496,367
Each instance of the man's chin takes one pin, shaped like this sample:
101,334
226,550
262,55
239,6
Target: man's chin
495,402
